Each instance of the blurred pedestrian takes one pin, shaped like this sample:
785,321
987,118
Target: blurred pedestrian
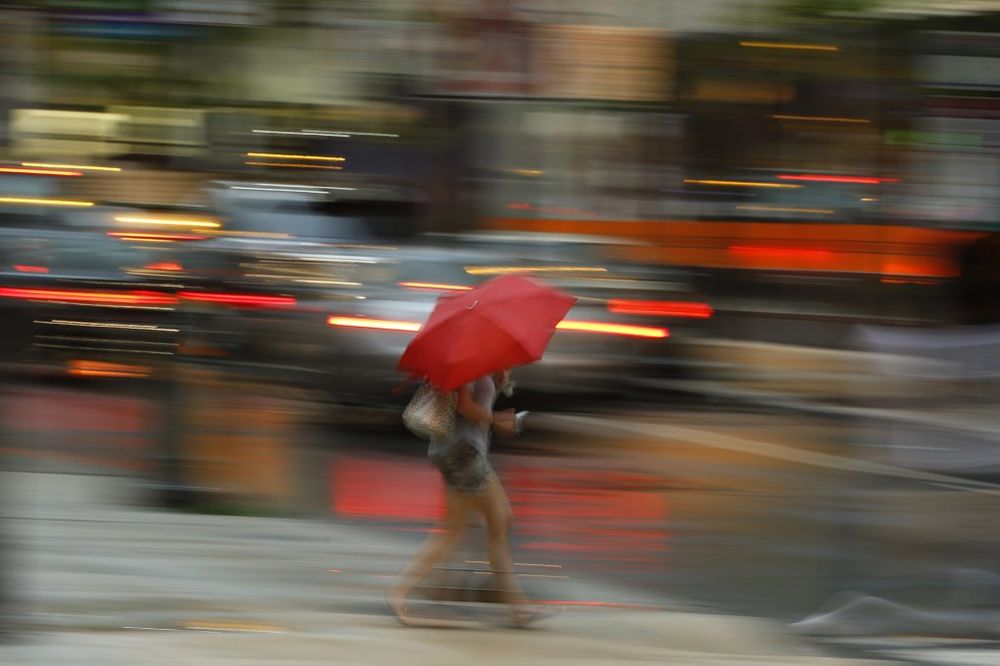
471,487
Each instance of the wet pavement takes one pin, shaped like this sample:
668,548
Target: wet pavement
729,509
109,583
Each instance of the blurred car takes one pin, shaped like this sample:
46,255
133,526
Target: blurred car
85,303
621,325
303,282
312,213
282,256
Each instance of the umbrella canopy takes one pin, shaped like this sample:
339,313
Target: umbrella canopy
503,323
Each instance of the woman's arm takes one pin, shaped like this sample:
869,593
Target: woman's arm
502,422
470,410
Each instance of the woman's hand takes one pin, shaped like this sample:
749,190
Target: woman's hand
503,423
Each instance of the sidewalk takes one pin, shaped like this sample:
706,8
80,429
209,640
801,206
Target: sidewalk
115,585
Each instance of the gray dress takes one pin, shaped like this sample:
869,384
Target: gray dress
463,459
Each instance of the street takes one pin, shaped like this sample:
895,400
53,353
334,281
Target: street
692,507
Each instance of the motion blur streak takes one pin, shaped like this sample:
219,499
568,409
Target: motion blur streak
153,237
665,308
85,296
239,300
170,222
795,47
77,167
376,324
23,268
613,329
785,209
46,202
101,324
823,119
285,156
596,604
40,172
431,286
288,165
85,368
739,183
819,178
501,270
566,325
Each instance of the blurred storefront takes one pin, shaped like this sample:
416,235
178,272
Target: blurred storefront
555,118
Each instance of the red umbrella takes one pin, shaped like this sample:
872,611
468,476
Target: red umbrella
503,323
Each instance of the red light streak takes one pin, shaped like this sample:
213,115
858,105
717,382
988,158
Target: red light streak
86,368
239,300
89,297
662,308
820,178
24,268
165,266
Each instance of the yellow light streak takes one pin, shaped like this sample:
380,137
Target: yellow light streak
786,45
500,270
78,167
168,222
288,165
285,156
613,329
376,324
45,202
740,183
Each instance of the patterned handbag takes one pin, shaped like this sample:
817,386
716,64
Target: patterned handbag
431,414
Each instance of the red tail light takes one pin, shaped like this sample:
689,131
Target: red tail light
239,300
87,368
164,266
24,268
88,297
661,308
822,178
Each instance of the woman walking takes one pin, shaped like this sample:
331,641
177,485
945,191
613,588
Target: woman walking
465,346
471,487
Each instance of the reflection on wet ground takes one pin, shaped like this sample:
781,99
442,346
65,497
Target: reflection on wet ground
735,529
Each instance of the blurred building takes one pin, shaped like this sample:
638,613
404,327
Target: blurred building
551,113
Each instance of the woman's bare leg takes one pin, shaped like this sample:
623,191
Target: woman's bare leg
497,514
435,549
